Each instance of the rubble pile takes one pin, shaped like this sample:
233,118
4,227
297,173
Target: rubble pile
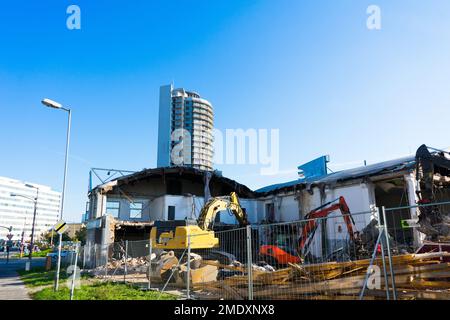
417,276
117,267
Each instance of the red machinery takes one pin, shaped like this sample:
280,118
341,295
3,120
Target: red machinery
284,254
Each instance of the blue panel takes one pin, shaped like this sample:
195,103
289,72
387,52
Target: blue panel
313,169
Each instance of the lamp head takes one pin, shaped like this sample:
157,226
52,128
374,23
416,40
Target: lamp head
51,104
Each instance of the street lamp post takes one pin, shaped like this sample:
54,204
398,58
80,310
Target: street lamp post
33,225
35,200
21,241
55,105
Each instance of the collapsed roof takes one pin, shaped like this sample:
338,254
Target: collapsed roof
391,166
215,177
180,173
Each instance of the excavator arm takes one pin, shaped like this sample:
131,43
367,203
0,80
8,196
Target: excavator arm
215,205
428,166
175,235
236,209
311,225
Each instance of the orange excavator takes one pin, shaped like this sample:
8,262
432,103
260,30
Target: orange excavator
282,252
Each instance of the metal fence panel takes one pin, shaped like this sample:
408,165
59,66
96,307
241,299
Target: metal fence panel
307,259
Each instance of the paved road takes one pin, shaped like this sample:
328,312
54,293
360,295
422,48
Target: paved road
11,287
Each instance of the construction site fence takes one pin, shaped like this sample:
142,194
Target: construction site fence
266,262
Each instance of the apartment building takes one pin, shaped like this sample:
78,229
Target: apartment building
185,129
17,208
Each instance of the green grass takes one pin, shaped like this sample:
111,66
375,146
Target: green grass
39,277
101,291
40,254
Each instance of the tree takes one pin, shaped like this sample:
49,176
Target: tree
80,235
48,237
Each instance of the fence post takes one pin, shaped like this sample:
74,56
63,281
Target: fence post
95,256
74,272
388,247
249,263
84,256
374,254
125,266
188,269
106,261
150,252
386,280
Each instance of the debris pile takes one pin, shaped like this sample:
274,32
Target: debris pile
117,267
167,267
417,276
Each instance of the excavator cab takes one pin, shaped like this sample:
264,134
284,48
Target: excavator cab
282,249
173,235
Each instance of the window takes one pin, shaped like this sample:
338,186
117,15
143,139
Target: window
113,208
171,213
136,210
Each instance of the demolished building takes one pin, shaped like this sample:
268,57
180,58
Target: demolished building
390,184
126,208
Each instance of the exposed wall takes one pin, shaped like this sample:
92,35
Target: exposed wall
124,209
100,230
190,207
286,208
157,209
359,196
185,207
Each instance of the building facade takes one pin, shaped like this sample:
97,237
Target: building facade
126,208
17,208
185,136
73,228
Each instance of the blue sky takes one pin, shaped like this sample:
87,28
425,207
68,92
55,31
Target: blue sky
309,68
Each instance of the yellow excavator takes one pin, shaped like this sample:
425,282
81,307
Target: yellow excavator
173,235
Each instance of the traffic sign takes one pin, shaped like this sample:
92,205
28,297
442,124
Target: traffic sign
9,236
61,227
